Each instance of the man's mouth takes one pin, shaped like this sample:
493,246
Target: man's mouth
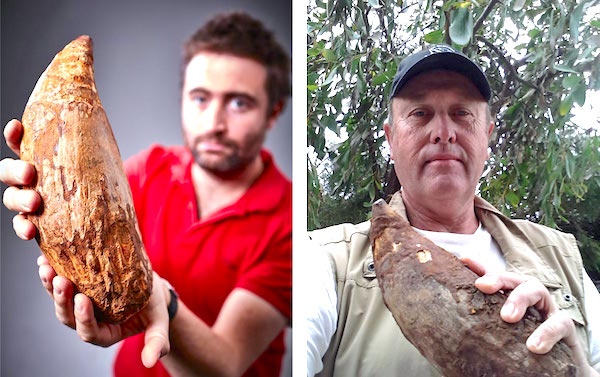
442,158
211,147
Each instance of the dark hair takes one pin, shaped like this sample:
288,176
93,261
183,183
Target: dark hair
240,35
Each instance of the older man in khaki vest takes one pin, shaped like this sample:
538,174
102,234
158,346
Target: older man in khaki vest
438,131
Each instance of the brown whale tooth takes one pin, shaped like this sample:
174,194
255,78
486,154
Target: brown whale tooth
432,297
86,225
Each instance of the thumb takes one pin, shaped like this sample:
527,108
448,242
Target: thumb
156,339
156,343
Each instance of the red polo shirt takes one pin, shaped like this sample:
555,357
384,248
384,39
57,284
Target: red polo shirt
245,245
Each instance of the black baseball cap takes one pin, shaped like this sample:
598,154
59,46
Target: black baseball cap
440,57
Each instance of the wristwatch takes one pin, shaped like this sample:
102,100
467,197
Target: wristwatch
172,307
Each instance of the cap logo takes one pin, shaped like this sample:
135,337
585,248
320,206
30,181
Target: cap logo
440,48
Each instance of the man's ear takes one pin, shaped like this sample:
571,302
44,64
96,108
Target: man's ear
490,130
275,113
389,134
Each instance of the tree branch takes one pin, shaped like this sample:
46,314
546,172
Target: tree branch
512,72
447,28
484,15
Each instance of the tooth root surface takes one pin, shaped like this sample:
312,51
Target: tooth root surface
432,297
87,226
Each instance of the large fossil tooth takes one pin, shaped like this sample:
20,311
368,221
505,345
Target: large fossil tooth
87,226
432,297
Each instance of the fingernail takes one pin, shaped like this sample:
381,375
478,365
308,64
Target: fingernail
78,306
25,204
57,291
508,310
534,341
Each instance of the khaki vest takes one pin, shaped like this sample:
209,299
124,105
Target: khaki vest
368,342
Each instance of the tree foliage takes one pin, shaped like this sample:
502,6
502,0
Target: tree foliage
541,58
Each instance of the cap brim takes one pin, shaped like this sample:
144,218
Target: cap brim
448,61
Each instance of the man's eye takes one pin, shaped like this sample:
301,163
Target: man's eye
419,113
199,99
461,113
239,104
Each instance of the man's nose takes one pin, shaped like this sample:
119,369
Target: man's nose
442,130
215,118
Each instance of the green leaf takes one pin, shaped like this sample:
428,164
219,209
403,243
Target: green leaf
336,101
329,122
447,6
313,51
442,15
461,28
518,5
511,110
329,55
570,81
372,192
564,68
552,30
565,105
381,78
579,94
513,198
569,165
312,26
434,37
575,20
533,33
595,23
529,93
312,88
330,77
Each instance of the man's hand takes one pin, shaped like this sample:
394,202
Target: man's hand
528,291
77,312
16,173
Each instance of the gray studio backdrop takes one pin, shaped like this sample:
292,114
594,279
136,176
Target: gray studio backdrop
137,49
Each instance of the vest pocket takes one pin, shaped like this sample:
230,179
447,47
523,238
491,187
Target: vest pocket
567,302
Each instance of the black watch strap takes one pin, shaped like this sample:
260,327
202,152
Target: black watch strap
172,308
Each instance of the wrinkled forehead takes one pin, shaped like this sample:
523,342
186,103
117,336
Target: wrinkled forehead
424,83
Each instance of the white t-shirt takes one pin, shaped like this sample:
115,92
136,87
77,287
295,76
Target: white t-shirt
479,246
320,304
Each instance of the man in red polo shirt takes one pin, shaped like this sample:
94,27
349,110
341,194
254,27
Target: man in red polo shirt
215,217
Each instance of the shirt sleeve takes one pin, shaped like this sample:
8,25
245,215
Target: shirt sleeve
268,273
591,302
320,304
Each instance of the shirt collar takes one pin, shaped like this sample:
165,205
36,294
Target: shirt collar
269,190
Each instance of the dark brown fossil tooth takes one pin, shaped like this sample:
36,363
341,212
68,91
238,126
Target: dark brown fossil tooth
432,297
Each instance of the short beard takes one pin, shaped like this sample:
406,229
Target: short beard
232,163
